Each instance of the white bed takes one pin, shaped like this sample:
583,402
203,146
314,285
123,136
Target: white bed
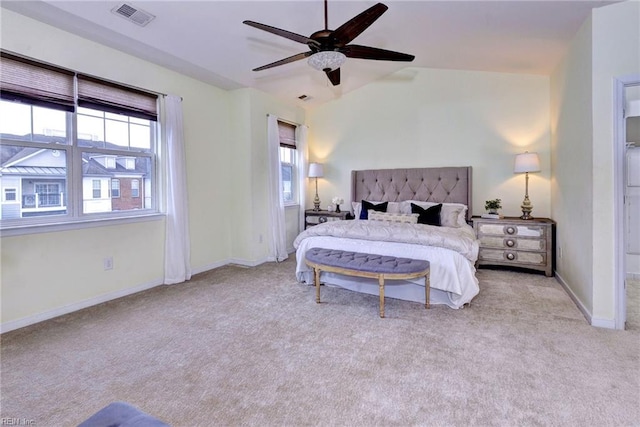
451,249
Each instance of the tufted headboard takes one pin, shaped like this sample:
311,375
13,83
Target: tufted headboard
438,185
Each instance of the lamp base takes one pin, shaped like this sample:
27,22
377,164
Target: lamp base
526,215
316,203
526,207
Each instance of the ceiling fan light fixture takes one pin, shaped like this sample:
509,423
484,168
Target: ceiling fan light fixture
324,60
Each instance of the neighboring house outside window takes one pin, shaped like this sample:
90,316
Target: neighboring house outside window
288,163
106,129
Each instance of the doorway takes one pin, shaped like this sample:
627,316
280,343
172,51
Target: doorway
627,203
632,206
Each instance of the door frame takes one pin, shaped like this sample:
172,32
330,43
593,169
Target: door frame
619,137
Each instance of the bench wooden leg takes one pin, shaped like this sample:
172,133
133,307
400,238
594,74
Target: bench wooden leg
316,281
381,282
427,291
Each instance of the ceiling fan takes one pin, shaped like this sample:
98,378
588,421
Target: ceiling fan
328,49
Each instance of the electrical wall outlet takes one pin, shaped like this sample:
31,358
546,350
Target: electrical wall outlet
108,263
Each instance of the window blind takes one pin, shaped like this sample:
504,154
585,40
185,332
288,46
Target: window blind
114,98
39,84
287,134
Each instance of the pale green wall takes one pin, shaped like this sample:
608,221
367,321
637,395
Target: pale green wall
45,272
428,117
250,228
572,157
607,46
616,53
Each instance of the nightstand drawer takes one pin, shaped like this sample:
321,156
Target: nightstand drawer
511,242
515,257
315,220
312,217
511,230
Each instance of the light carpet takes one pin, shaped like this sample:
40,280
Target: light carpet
249,346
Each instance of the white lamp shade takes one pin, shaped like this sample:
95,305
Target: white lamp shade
527,162
315,170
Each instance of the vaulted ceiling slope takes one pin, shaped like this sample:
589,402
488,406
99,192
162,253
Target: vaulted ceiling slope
207,40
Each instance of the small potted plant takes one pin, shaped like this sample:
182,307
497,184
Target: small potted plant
492,206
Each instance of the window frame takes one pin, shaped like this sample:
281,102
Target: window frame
6,190
135,191
286,133
111,189
73,181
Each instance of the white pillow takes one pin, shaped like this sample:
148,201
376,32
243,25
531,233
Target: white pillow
451,215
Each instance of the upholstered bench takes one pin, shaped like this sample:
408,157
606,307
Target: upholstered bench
359,264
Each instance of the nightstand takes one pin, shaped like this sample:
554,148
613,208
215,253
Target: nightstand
312,217
514,242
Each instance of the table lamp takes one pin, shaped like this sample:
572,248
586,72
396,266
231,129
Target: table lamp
525,163
315,171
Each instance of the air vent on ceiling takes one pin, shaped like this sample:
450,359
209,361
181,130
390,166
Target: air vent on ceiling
304,97
137,16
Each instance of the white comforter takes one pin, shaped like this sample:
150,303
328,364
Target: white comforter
451,252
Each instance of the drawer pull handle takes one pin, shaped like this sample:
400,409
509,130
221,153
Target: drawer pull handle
511,256
510,243
511,230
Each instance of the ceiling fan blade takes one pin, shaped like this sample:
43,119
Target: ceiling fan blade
366,52
352,28
285,61
279,32
334,76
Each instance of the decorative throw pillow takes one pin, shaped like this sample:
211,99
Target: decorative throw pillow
393,217
380,207
394,207
430,216
451,215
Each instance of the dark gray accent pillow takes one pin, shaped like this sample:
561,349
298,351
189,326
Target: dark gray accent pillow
430,216
364,212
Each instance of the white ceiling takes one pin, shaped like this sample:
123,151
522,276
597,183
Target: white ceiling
207,39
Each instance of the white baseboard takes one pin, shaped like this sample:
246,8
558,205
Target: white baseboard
603,323
586,313
593,321
70,308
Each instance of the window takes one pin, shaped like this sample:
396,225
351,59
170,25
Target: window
115,188
288,162
102,135
48,194
10,195
97,194
135,188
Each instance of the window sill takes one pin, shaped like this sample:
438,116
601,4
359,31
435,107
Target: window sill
76,225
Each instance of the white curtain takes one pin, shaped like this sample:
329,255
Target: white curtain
278,237
177,265
302,152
